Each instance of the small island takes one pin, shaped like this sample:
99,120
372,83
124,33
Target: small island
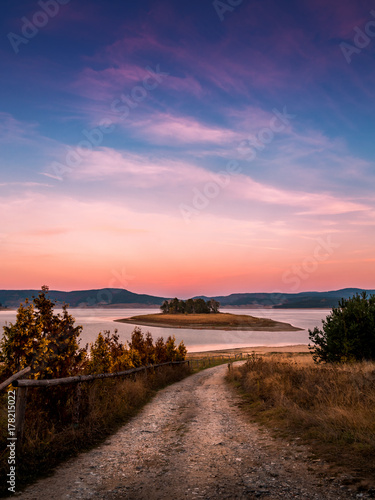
201,315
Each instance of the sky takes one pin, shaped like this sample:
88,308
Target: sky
184,148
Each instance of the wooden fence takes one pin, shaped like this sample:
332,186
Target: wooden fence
14,377
23,385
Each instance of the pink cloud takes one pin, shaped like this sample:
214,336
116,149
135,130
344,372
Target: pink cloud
109,83
105,84
102,236
137,170
182,177
166,129
199,62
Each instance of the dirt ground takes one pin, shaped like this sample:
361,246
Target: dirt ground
192,441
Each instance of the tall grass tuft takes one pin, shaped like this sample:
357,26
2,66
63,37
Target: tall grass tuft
332,407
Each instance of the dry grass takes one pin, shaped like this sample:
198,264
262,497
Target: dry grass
50,434
219,321
332,408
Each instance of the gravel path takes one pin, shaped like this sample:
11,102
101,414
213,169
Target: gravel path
192,442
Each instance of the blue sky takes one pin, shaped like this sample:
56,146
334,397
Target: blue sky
222,173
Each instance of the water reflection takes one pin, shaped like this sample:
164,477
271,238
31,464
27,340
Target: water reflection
96,320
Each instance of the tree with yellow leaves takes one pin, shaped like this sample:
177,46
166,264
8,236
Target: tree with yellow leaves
39,338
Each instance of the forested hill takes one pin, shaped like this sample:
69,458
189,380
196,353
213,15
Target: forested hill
118,297
289,300
115,297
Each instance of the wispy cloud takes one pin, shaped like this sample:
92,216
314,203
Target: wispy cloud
168,129
13,130
126,171
25,184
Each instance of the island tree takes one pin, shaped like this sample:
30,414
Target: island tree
190,306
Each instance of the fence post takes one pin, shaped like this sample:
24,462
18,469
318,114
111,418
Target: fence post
20,416
77,404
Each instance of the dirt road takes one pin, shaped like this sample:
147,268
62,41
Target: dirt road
192,442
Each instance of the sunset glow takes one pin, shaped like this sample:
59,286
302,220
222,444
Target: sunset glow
153,146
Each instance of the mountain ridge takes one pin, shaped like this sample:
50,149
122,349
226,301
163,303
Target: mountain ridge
119,297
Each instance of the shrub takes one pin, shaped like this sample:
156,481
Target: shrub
47,342
348,333
108,354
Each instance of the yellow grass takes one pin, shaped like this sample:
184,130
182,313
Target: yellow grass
332,408
219,321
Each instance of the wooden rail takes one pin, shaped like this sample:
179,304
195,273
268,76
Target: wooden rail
87,378
23,385
14,377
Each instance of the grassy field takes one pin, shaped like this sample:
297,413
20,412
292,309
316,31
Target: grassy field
329,408
219,321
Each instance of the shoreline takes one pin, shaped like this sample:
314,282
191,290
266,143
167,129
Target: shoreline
288,349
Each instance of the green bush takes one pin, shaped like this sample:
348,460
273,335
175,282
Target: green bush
348,333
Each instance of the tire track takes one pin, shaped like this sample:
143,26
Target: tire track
192,442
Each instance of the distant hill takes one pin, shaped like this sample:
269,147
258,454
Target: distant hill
118,297
288,300
103,297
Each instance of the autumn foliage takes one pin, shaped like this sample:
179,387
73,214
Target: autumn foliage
108,354
61,420
49,343
45,341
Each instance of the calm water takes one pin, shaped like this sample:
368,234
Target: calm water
96,320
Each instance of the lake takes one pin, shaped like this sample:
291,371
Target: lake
96,320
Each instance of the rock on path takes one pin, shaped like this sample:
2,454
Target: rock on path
191,442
